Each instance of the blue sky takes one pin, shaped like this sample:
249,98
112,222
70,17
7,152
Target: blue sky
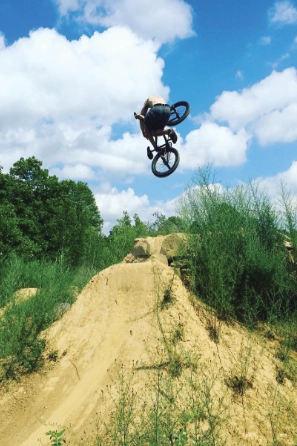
72,72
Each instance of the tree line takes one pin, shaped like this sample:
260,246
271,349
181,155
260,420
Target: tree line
42,217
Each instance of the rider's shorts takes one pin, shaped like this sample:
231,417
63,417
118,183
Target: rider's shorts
157,117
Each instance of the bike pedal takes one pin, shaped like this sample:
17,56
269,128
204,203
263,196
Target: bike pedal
149,153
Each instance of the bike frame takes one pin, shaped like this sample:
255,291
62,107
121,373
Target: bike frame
163,147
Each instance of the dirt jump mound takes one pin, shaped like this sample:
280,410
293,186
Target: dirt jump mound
139,315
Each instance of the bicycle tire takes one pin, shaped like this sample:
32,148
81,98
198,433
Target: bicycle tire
165,165
179,111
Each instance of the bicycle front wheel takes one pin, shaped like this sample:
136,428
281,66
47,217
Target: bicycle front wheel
179,112
164,165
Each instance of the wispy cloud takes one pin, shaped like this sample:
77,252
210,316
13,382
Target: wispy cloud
266,40
239,75
151,19
283,12
280,60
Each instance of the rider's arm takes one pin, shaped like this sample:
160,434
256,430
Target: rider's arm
141,121
144,108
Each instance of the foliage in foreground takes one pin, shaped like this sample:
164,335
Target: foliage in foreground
238,262
56,437
22,320
164,412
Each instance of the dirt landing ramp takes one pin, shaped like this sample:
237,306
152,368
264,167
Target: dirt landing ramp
115,318
109,321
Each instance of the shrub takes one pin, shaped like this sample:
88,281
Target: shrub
237,258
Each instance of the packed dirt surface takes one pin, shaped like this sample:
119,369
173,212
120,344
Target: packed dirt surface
119,319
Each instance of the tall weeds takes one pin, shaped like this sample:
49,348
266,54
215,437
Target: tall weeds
23,319
164,412
238,261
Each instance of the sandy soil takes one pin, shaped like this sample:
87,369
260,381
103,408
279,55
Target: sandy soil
114,321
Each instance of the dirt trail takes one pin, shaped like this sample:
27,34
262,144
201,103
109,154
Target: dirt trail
108,322
114,319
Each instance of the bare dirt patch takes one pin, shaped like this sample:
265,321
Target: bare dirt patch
115,321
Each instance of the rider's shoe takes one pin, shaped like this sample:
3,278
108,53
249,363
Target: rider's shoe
172,135
149,154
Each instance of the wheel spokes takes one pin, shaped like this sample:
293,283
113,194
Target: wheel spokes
164,162
179,111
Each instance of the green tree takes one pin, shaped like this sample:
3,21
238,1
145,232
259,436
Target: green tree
77,224
121,237
163,226
42,216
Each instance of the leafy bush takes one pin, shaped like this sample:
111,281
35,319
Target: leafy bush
237,258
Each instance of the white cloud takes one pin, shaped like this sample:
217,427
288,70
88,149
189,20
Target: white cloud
283,12
214,144
65,6
112,202
163,20
78,172
257,107
272,184
290,177
2,41
278,126
60,99
46,76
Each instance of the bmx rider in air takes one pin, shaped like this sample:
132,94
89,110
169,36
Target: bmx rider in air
153,118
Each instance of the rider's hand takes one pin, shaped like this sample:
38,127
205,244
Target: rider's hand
137,116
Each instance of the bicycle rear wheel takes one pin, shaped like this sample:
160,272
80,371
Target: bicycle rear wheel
165,164
179,111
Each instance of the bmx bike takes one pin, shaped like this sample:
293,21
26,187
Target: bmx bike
167,157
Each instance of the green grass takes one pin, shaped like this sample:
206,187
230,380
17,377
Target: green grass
56,437
237,259
21,347
236,262
163,412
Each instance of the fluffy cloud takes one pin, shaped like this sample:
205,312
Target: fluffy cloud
290,177
60,98
272,185
77,172
164,21
214,144
283,12
112,202
270,101
47,76
278,126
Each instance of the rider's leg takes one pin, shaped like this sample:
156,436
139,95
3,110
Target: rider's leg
169,132
150,137
146,133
